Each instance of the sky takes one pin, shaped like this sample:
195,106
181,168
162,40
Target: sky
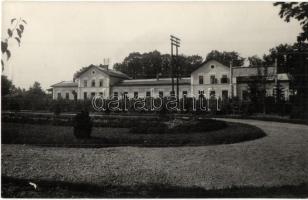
62,37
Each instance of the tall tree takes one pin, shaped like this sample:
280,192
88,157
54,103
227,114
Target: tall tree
152,64
226,57
297,10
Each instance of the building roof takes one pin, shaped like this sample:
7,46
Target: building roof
271,78
206,61
113,73
252,71
147,82
65,84
104,68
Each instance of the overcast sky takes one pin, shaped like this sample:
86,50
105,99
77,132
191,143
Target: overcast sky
60,37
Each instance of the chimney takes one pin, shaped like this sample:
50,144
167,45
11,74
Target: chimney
103,66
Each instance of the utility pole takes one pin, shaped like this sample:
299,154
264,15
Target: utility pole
231,77
175,41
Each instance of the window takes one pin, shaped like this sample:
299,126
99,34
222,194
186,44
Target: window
93,72
212,93
245,95
85,95
172,93
92,94
212,66
101,83
135,95
185,93
59,95
201,93
213,79
100,94
148,94
67,96
161,94
224,79
115,94
85,83
224,94
93,83
200,80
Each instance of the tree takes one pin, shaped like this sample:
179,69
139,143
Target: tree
297,10
35,97
226,57
36,90
255,61
153,64
7,86
279,52
15,32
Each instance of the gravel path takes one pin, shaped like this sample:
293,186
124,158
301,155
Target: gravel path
278,159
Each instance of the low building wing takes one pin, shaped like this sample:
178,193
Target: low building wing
149,82
65,84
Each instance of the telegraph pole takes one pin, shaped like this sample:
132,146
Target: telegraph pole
171,72
175,41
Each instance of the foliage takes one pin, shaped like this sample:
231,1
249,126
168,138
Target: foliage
278,92
154,64
15,33
226,57
255,61
32,99
38,134
82,125
297,10
149,128
7,86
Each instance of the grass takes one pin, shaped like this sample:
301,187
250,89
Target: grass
20,188
49,135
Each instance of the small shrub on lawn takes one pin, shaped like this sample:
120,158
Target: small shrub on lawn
82,125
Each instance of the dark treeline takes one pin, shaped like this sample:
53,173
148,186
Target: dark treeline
35,98
151,64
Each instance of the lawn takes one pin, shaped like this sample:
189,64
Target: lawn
49,135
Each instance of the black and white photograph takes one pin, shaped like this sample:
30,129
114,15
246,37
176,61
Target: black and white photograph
154,99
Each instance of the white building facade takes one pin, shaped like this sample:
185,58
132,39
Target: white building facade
210,79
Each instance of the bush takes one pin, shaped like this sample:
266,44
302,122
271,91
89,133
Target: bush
202,125
82,125
149,128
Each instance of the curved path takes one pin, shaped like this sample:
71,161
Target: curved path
280,158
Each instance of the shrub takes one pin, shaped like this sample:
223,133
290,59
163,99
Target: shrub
149,128
202,125
82,125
